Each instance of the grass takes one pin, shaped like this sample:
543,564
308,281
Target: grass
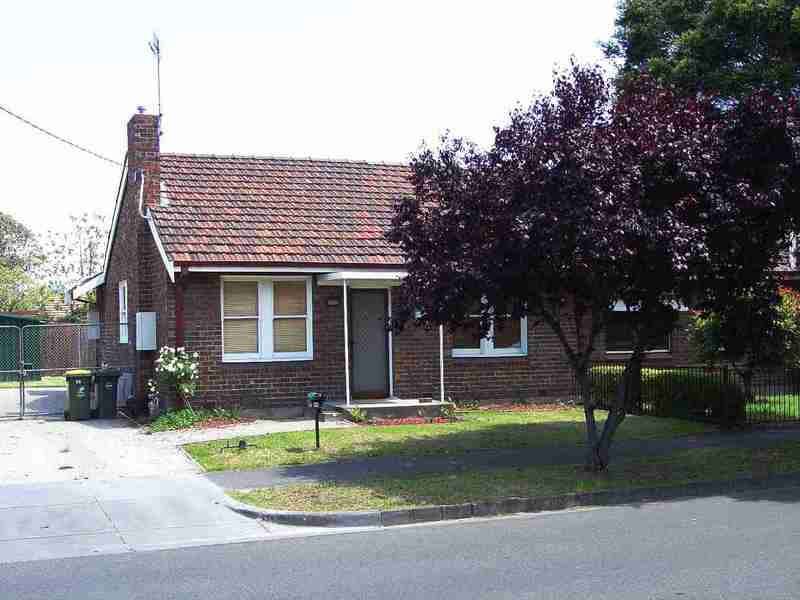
188,418
679,468
56,381
476,430
784,406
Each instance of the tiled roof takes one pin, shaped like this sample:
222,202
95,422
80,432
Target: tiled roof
237,209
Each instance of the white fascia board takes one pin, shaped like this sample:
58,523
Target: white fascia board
241,269
115,219
164,258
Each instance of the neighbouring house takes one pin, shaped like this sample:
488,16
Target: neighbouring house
276,271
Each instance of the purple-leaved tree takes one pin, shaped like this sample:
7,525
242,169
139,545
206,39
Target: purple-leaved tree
587,198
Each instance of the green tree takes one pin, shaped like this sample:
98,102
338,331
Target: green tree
19,292
18,245
77,252
759,330
720,47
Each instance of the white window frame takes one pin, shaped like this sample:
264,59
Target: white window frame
487,344
620,306
122,298
266,318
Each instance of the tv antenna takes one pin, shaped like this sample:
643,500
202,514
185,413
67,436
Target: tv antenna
155,48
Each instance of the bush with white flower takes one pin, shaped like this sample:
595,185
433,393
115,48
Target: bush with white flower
178,369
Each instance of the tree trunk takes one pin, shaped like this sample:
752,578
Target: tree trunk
628,393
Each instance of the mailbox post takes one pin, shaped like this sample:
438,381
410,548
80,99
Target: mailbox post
316,400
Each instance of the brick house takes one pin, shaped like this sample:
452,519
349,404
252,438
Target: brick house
258,263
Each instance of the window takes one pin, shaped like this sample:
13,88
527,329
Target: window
122,289
266,319
619,335
507,339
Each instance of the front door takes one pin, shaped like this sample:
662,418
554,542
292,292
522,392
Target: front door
369,344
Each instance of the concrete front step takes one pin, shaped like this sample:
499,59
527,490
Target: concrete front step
398,410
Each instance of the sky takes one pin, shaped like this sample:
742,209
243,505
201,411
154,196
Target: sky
367,80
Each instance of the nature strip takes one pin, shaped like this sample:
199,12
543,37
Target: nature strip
506,506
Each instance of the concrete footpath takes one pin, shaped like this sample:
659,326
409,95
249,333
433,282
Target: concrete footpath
82,518
489,459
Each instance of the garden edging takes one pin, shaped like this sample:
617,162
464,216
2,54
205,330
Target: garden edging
506,506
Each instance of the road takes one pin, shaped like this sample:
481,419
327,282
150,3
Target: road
721,547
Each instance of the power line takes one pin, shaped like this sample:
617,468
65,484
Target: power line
59,138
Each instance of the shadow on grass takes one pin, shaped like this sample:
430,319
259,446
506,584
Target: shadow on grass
740,474
559,441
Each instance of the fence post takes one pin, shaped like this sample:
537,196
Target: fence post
725,387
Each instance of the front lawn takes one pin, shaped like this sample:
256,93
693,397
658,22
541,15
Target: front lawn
476,430
705,464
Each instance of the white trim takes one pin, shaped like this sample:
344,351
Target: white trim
346,346
89,285
620,306
391,353
240,269
266,320
380,278
164,258
487,349
441,363
122,305
115,219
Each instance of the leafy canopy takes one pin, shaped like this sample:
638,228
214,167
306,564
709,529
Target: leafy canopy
727,48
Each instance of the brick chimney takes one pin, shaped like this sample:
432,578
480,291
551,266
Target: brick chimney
143,154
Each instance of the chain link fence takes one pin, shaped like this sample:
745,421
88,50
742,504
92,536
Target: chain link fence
35,358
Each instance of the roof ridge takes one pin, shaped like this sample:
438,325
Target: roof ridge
288,158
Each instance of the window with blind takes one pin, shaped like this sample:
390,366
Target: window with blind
506,338
266,319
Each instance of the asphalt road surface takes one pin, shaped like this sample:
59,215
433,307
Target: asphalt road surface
746,546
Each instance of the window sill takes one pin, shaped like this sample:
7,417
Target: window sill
258,359
629,352
467,354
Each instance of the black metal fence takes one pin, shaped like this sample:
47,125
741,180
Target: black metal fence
718,394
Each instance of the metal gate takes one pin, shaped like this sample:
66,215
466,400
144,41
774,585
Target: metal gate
34,359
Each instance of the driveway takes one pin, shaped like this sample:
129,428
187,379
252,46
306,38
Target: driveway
38,401
51,449
78,488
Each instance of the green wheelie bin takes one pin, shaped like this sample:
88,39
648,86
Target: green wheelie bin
79,395
106,381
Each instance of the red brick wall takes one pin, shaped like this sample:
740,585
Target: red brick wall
278,386
135,258
544,374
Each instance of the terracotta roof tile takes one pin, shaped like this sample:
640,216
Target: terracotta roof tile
237,209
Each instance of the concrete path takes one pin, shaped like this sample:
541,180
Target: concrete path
82,518
494,459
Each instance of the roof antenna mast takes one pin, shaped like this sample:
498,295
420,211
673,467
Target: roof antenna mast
155,48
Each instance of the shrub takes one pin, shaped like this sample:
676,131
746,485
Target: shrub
187,418
695,394
176,369
357,415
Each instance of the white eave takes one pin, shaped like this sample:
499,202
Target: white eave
363,277
88,285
